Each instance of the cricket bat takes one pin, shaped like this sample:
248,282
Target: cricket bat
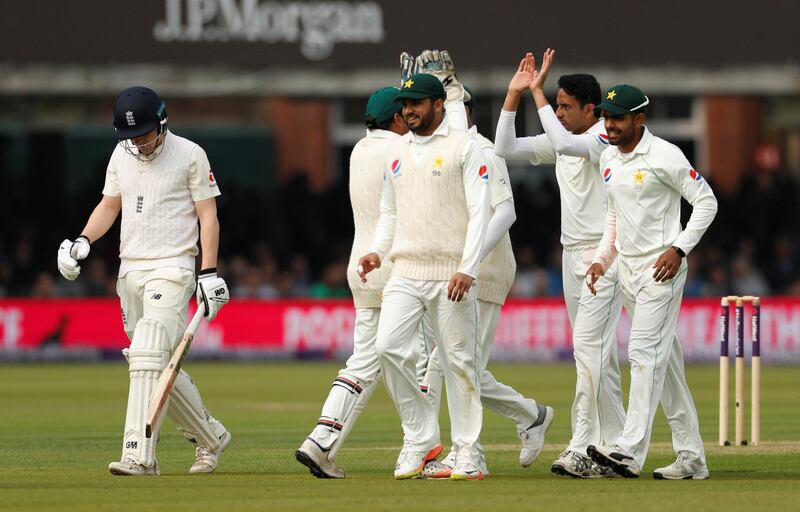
170,373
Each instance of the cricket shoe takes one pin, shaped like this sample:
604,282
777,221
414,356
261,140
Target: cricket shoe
532,439
682,469
572,463
435,470
205,460
466,471
311,455
450,462
129,466
410,463
615,458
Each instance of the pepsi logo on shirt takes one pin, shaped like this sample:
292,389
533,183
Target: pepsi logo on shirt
483,172
396,166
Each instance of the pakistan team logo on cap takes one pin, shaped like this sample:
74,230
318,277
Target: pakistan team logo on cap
408,83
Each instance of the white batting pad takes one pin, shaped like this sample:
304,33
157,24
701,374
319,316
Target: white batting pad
147,356
186,409
368,388
337,410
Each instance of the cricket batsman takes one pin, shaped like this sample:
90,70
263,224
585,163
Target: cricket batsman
356,382
646,177
163,185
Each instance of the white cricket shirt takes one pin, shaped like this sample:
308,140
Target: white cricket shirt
159,220
580,184
645,188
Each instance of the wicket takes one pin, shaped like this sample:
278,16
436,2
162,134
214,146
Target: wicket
755,369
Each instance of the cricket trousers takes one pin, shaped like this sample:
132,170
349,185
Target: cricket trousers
495,396
656,359
455,327
597,411
154,306
499,398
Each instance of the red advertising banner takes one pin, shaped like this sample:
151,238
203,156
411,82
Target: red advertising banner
528,329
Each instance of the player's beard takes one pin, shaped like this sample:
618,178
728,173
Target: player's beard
425,121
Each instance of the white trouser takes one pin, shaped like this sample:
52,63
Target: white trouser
496,396
654,354
455,326
597,411
353,386
154,317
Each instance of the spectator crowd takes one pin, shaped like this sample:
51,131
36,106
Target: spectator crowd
292,242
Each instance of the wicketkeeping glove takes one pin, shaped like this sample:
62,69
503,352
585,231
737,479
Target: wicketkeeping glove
69,253
440,64
212,292
407,67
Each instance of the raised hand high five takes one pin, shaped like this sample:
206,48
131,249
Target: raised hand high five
539,77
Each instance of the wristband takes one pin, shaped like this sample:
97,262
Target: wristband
208,272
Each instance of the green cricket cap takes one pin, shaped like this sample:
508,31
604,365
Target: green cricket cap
622,99
471,103
421,86
382,106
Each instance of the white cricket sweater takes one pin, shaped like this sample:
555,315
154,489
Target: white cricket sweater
159,220
434,206
366,185
497,270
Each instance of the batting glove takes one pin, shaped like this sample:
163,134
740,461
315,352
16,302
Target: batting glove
69,253
212,292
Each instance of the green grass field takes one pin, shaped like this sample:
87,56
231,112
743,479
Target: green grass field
62,424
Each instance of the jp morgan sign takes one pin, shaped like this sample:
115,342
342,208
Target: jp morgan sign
316,26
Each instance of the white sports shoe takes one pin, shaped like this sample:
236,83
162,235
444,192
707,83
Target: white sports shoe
571,463
466,471
311,455
532,439
615,458
206,461
450,460
129,466
682,469
410,463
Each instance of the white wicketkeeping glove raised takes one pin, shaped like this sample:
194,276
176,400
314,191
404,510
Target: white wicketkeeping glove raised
407,67
440,64
212,292
69,253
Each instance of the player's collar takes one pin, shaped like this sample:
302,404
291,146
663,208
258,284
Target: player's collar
442,130
473,130
644,143
382,134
